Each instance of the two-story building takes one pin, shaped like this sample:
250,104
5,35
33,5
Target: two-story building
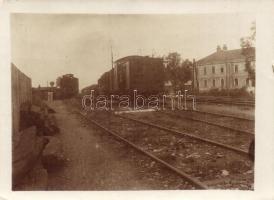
224,69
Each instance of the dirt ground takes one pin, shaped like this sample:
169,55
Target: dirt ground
94,162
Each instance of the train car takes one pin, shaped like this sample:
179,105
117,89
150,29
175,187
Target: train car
142,73
69,86
87,90
105,83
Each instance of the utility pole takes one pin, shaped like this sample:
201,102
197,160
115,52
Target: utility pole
193,76
111,56
111,78
192,84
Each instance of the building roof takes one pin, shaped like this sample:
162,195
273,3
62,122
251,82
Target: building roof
225,55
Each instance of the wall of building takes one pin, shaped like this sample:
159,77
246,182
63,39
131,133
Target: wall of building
43,92
21,93
229,75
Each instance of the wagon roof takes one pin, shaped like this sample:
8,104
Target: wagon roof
135,57
128,58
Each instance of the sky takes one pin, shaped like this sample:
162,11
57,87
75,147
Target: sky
45,46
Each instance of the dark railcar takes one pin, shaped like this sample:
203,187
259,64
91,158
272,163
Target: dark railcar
69,86
87,90
142,73
105,83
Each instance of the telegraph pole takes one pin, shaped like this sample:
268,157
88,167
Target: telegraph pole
111,78
111,56
193,76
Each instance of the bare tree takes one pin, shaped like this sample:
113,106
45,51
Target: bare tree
247,45
178,72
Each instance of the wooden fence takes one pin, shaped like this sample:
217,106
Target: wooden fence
21,93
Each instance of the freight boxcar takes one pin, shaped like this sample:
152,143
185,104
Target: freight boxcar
87,90
105,83
69,85
142,73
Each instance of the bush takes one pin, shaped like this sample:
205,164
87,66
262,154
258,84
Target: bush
237,92
242,92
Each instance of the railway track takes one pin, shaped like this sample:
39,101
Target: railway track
229,102
221,115
194,181
197,129
179,149
208,141
182,114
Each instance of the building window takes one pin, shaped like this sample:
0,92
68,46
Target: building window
236,68
236,82
213,83
205,71
247,82
205,83
213,69
222,83
222,70
253,83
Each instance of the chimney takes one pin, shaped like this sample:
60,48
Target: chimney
224,47
219,48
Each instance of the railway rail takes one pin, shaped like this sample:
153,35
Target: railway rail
225,101
222,115
228,147
178,114
195,141
194,181
196,128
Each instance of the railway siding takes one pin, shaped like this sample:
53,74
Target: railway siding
220,135
235,124
202,161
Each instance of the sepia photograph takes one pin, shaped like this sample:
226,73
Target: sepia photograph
129,102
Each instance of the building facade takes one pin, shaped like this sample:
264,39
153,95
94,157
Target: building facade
47,93
224,69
